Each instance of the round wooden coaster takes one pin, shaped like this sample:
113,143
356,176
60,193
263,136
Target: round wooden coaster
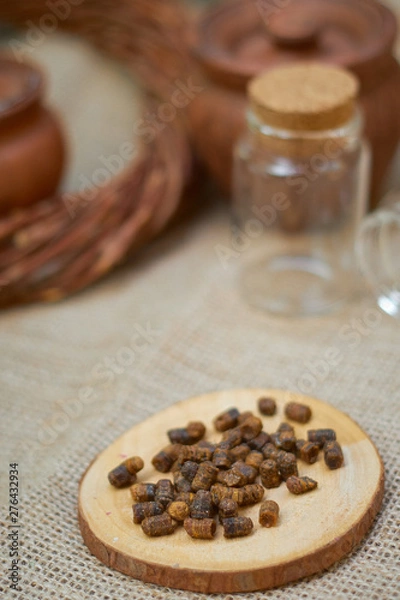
314,530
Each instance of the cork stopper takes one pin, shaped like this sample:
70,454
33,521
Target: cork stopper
304,97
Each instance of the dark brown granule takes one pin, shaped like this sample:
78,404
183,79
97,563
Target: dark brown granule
237,526
267,406
300,485
206,475
269,473
244,416
226,420
178,510
254,459
259,441
188,435
200,529
164,459
320,436
181,483
287,464
159,525
333,455
222,458
227,508
165,492
231,438
195,453
239,452
143,492
142,510
250,428
270,451
268,514
189,469
307,451
202,505
121,478
298,412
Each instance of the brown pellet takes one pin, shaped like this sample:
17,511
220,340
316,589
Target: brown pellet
270,475
287,464
165,492
222,458
187,497
143,492
240,474
298,412
202,505
181,483
259,441
285,440
320,436
120,477
164,459
195,454
244,416
300,485
270,451
231,478
227,508
245,496
159,525
237,526
250,428
285,427
178,510
206,444
188,435
141,510
268,514
189,469
254,459
134,464
307,451
267,406
247,472
200,529
205,476
231,438
333,455
239,452
226,420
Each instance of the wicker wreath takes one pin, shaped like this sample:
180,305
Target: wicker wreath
44,254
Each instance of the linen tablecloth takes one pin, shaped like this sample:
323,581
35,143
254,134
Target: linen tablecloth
168,326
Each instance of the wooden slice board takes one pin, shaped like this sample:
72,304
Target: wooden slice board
313,532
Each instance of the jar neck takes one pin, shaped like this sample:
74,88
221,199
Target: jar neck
291,143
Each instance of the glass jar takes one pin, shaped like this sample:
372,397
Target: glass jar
378,253
300,181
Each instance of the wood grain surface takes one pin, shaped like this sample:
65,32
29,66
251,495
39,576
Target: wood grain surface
314,530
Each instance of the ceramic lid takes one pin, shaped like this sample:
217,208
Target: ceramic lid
239,39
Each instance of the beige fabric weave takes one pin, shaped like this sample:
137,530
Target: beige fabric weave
200,337
206,339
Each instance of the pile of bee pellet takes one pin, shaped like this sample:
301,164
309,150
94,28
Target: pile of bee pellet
212,481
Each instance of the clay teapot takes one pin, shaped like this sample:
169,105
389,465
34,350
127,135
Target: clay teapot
241,38
32,149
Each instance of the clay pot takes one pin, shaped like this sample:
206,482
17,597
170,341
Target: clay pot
31,144
242,38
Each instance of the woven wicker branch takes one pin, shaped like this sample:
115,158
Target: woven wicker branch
45,253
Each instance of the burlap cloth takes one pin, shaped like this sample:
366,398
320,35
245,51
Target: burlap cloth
173,325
